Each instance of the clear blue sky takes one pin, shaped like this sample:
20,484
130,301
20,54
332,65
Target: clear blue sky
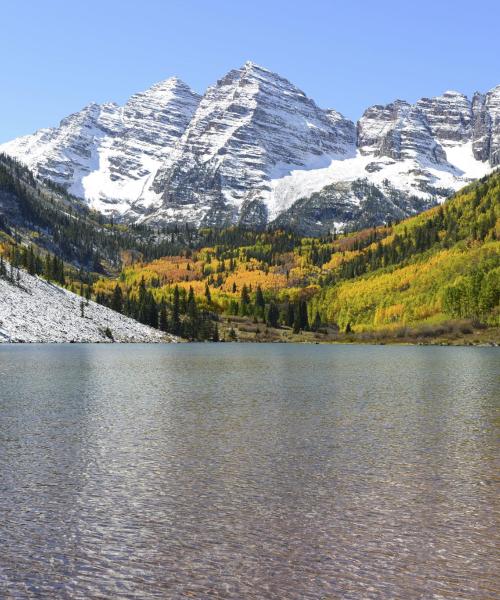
58,55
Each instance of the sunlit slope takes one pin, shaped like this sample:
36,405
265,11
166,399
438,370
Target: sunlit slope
445,264
441,265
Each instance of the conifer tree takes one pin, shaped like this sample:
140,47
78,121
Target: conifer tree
260,303
163,321
272,315
207,294
297,322
176,319
244,300
117,299
304,323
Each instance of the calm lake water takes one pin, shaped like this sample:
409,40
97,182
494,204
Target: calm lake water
249,471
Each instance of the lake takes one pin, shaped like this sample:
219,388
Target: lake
249,471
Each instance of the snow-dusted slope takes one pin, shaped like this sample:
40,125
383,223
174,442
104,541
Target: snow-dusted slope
38,311
256,145
251,127
423,152
109,154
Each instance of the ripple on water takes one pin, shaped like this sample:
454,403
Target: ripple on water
249,471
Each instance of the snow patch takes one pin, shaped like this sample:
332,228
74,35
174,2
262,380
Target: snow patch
39,311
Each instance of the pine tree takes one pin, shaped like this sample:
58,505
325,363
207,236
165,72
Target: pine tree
117,299
192,322
304,323
297,322
260,303
176,320
207,294
272,315
163,322
47,270
244,300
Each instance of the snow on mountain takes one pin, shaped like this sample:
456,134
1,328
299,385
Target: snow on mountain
252,126
35,310
109,154
486,126
424,151
255,145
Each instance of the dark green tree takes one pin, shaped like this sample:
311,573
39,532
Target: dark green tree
117,299
272,315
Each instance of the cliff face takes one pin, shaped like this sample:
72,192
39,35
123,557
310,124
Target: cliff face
109,154
255,149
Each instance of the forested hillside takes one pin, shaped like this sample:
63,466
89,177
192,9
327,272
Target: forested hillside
45,215
439,266
442,266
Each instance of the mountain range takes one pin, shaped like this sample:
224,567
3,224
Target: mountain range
256,150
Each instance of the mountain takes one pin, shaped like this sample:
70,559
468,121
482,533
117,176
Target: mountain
408,158
256,150
109,154
251,127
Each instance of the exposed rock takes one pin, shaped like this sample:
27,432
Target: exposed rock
486,126
348,206
448,116
398,131
253,125
256,150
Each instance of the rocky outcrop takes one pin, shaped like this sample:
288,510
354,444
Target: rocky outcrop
448,117
251,126
350,205
398,131
256,150
486,126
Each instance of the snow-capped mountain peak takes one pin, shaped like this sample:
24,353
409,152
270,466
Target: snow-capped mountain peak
256,147
105,153
251,126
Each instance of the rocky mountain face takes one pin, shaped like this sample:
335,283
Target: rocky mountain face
399,131
250,127
109,154
486,126
256,150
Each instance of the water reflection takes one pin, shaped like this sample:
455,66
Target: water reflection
248,471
